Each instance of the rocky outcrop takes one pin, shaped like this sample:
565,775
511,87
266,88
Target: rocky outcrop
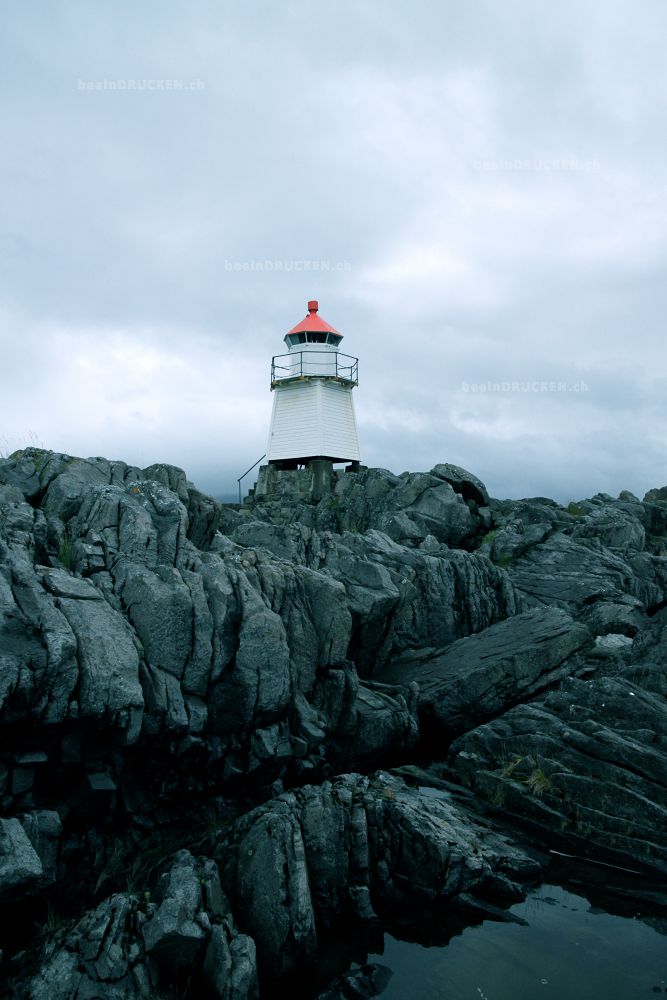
585,768
399,597
347,848
165,656
479,677
120,621
126,949
443,503
599,549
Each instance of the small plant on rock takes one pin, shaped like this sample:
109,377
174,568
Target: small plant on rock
499,795
510,764
538,782
66,551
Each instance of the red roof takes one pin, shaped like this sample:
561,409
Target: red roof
313,323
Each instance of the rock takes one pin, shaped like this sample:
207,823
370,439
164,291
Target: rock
434,507
408,507
625,618
615,526
368,980
161,653
657,495
610,645
398,597
121,952
108,663
99,958
175,936
480,676
463,482
21,870
230,968
585,767
205,516
308,857
37,646
44,830
561,572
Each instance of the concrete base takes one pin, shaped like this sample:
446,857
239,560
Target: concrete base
310,484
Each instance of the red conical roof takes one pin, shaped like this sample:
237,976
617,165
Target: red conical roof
313,323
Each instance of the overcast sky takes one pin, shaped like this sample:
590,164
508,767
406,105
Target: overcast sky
474,191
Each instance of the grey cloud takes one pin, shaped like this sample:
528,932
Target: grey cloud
474,192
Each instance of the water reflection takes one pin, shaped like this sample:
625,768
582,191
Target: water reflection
563,947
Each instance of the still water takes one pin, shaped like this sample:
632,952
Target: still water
568,950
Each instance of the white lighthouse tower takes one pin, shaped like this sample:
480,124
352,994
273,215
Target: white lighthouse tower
313,412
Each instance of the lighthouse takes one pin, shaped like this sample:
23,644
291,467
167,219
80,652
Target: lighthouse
313,412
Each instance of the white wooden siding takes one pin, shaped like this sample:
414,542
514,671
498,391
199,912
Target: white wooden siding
313,418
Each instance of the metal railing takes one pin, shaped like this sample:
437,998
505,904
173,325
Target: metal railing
314,364
246,473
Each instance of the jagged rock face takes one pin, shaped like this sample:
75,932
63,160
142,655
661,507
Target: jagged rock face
585,766
125,950
347,847
160,652
144,633
408,508
479,677
463,482
599,549
20,866
152,634
399,597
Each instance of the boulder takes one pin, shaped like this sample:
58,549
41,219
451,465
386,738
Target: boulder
44,829
656,495
177,932
568,574
463,482
21,870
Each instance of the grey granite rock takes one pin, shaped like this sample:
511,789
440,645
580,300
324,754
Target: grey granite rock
585,767
463,482
124,951
307,857
159,650
44,829
398,597
21,870
480,676
175,935
109,687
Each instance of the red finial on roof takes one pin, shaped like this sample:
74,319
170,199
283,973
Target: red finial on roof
313,323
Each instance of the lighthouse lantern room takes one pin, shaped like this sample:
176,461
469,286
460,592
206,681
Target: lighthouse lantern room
313,412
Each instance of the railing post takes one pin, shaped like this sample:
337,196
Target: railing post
245,474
